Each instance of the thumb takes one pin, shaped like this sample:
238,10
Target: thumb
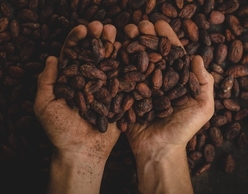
48,77
199,70
205,79
46,81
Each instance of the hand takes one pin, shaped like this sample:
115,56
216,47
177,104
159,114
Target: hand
65,128
80,150
177,129
159,147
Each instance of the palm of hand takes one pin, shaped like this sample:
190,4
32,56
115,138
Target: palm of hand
65,127
182,124
175,130
67,130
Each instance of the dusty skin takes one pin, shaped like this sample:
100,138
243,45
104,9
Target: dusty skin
80,151
159,147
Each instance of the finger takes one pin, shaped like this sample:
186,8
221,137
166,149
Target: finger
76,34
46,82
95,29
199,70
113,131
49,74
164,29
205,79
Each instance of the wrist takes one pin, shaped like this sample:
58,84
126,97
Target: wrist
72,157
155,154
161,156
164,172
72,172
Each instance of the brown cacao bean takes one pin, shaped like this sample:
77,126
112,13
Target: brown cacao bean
208,6
218,120
194,84
241,114
209,153
177,92
103,96
243,11
191,146
134,76
161,103
143,90
188,11
99,108
164,113
27,15
180,3
242,140
190,29
4,22
77,83
92,72
164,46
228,6
180,101
237,71
217,38
201,21
229,163
149,41
216,17
216,136
234,25
196,155
127,86
143,61
92,86
221,53
202,169
98,49
63,91
231,105
171,78
102,123
144,106
169,10
108,65
122,124
79,98
227,84
5,9
232,131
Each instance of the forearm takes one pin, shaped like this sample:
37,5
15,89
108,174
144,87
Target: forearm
164,173
74,174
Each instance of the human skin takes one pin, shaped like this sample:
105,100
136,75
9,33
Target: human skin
160,147
80,150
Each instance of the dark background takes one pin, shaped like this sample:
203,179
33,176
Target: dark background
27,170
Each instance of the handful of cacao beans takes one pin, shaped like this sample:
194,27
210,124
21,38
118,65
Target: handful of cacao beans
138,81
31,30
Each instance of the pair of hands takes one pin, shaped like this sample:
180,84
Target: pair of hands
69,133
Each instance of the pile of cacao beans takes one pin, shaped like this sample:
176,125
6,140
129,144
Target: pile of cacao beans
31,30
108,88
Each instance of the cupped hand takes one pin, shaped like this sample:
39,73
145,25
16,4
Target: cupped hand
65,128
175,131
